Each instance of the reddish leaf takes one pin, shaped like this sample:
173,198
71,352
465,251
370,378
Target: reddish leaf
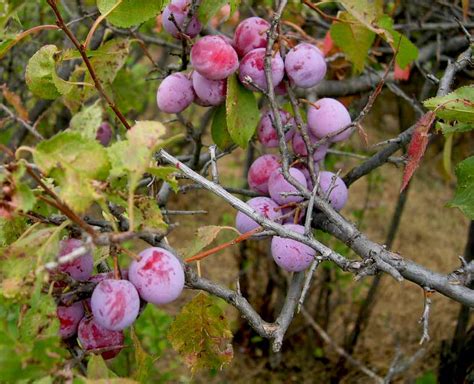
417,147
328,44
401,74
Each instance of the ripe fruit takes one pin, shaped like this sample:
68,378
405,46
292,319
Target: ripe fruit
214,58
305,65
179,9
158,276
250,34
304,169
339,193
92,336
104,134
175,93
267,133
115,304
264,206
69,318
210,92
80,268
278,185
260,171
291,255
299,146
327,117
252,65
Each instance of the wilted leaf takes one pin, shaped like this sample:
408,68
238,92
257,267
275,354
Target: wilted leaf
129,12
146,133
242,112
366,12
87,121
464,197
151,218
353,38
15,102
205,236
417,147
39,73
455,106
219,132
201,335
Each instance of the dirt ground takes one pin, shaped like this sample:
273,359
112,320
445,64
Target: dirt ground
430,234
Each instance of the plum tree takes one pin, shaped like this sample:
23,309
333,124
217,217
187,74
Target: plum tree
251,33
260,171
328,116
281,190
252,65
267,133
305,65
158,276
291,255
263,206
115,304
214,58
175,93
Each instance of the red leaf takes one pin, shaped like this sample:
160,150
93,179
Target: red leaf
401,74
417,147
328,44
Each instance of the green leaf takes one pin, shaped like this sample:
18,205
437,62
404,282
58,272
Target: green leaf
96,368
219,132
109,59
365,11
242,112
11,229
353,38
70,149
208,8
201,335
205,236
166,174
87,121
456,128
39,73
407,51
143,361
455,106
130,12
464,196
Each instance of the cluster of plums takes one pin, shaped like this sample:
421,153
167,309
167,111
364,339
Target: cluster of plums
215,57
156,277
